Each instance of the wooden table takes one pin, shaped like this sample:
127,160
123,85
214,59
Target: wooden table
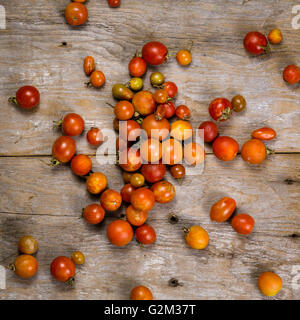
47,202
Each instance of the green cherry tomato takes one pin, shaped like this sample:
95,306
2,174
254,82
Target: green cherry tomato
136,84
157,78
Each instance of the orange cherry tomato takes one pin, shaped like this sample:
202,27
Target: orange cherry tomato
72,124
242,223
127,191
111,200
25,266
163,191
254,151
93,213
151,150
158,129
28,245
119,232
76,14
222,209
264,134
160,96
193,153
124,110
141,293
225,148
143,199
78,257
88,65
291,74
184,57
172,152
63,149
94,136
196,237
135,216
137,67
113,3
63,269
137,180
145,234
275,36
269,283
144,102
130,160
97,79
183,112
81,164
96,182
181,130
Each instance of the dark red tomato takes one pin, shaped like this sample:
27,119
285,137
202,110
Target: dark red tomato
223,209
264,134
63,149
27,97
220,109
255,42
154,53
93,213
210,131
291,74
113,3
72,124
243,223
163,191
137,67
76,14
177,171
183,112
126,192
145,234
94,136
170,109
171,88
63,269
225,148
153,172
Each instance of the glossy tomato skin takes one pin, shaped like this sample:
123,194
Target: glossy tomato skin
78,257
81,164
94,136
255,42
136,217
264,134
210,131
76,14
97,79
145,234
181,130
88,65
144,102
27,245
96,182
111,200
114,3
184,57
196,237
137,67
158,129
220,109
275,36
72,124
119,233
242,223
193,153
151,151
169,109
291,74
141,293
25,266
163,191
28,97
143,199
62,269
183,112
154,53
177,171
137,180
153,172
238,103
160,96
225,148
130,160
126,192
93,213
269,283
63,149
172,152
171,89
222,209
157,79
254,151
124,110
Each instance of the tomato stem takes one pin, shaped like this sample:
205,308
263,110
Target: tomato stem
11,267
54,162
225,114
186,230
110,104
70,281
12,100
269,151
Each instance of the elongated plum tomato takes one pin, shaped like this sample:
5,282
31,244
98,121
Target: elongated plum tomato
171,88
210,131
255,42
275,36
151,150
130,160
81,164
111,200
225,148
28,245
63,269
145,234
254,151
291,74
222,209
220,109
196,237
144,102
177,171
124,110
88,65
63,149
137,67
25,266
158,129
153,172
126,192
269,283
141,293
193,153
76,14
96,182
143,199
114,3
136,217
78,257
183,112
72,124
121,92
154,53
163,191
172,152
94,136
181,130
93,213
242,223
264,133
27,97
97,79
119,233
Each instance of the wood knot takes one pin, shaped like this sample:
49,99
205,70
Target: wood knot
173,218
289,181
173,282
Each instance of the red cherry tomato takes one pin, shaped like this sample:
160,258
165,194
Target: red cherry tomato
264,134
76,14
94,136
154,53
183,112
136,217
222,209
210,131
27,97
158,129
160,96
63,269
220,109
119,233
171,88
143,199
72,124
130,160
145,234
129,130
291,74
225,148
93,213
137,67
126,192
163,191
242,223
25,266
113,3
153,172
255,42
81,164
63,149
254,151
169,109
184,57
124,110
97,79
111,200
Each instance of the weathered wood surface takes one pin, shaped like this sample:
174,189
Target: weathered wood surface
46,203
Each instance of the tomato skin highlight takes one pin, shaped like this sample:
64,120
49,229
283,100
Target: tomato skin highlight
143,199
163,191
181,130
72,124
243,223
97,79
184,57
96,182
161,126
154,53
93,213
81,164
196,237
27,245
171,88
153,172
27,97
183,112
220,109
137,67
172,152
78,257
124,110
119,233
291,74
275,36
63,149
264,134
254,151
132,160
269,283
255,42
225,148
210,131
25,266
126,192
94,136
62,269
111,200
223,209
144,102
88,65
169,109
114,3
76,14
145,234
193,153
177,171
141,293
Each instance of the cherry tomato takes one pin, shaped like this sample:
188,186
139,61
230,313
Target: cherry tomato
151,150
158,129
255,42
119,233
143,199
171,88
94,136
72,124
137,67
193,153
160,96
78,257
88,65
225,148
160,112
220,109
81,164
264,134
157,79
144,102
154,53
28,245
63,149
121,92
184,57
136,217
291,74
181,130
124,110
141,293
183,112
275,36
169,109
210,131
111,200
177,171
137,180
130,160
145,234
254,151
76,14
126,176
63,269
222,209
136,84
172,152
242,223
113,3
127,191
97,79
25,266
153,172
93,213
163,191
196,237
82,1
96,182
26,97
121,144
129,130
238,103
269,283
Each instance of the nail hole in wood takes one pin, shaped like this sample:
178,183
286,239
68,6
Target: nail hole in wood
173,282
173,218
